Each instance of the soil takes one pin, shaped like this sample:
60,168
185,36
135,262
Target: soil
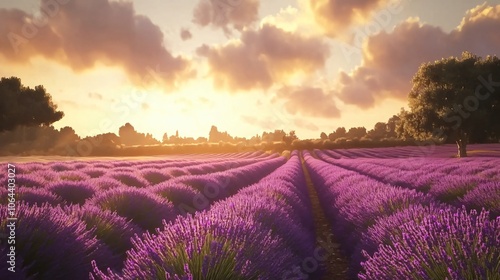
336,264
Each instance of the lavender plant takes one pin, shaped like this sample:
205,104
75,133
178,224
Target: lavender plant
448,245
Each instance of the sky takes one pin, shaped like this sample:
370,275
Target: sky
245,66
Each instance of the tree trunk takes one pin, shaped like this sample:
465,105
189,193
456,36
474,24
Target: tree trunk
462,144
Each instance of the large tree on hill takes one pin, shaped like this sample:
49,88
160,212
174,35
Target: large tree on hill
455,99
24,106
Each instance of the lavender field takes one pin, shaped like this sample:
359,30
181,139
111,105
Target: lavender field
386,213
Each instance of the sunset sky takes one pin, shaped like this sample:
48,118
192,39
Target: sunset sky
246,66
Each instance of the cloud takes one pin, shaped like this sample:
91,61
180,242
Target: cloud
287,19
265,124
226,13
262,58
305,124
390,60
186,34
81,33
334,16
275,119
308,101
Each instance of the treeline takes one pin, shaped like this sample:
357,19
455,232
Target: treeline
381,131
46,140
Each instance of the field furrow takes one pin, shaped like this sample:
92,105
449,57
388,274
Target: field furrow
336,264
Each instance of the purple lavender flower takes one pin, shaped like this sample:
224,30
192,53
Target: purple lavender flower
94,172
37,197
72,192
450,245
238,238
30,181
60,166
105,183
485,195
144,208
53,245
177,193
71,175
154,176
129,179
452,187
114,231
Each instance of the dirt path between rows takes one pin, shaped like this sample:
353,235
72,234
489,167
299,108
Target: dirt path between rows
336,264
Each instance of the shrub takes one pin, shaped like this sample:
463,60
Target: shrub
94,172
129,179
115,231
449,245
210,245
53,245
106,183
75,176
38,197
154,176
145,209
72,192
485,195
177,193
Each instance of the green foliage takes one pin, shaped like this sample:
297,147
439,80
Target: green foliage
24,106
454,99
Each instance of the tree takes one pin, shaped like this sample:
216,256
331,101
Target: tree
452,99
24,106
128,136
392,123
323,136
340,132
356,132
288,139
275,136
216,136
67,135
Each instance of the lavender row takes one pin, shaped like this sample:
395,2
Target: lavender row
474,183
432,150
463,166
50,186
51,244
484,167
101,228
353,202
37,175
148,207
263,232
395,233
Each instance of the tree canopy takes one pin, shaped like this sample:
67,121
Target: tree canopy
455,99
129,136
24,106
